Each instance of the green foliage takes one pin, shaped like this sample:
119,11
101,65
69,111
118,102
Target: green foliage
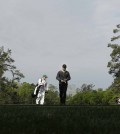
85,87
9,96
8,87
24,93
114,63
12,92
6,64
51,98
94,97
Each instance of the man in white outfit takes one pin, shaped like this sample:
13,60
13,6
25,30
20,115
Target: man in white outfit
118,100
42,88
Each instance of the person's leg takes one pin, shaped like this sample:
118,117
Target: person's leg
64,93
61,93
42,98
38,98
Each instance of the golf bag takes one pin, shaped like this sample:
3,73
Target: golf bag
37,90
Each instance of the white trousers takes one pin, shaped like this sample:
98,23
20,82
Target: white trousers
40,98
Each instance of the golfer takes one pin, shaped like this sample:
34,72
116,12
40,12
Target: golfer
63,76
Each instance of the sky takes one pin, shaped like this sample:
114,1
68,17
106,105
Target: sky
44,34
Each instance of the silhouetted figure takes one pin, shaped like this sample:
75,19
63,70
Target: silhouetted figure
63,76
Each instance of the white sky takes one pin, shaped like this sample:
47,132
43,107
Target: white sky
44,34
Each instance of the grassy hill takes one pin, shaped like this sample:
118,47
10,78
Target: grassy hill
32,119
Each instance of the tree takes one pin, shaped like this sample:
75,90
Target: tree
94,97
85,88
114,63
51,98
8,86
24,93
6,64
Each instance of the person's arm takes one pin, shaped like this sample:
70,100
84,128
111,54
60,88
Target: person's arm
39,81
68,77
58,76
46,86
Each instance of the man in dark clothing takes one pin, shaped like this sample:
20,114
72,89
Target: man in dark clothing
63,77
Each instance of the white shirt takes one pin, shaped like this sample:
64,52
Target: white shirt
43,84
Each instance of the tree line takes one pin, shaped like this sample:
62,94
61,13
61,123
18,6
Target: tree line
14,92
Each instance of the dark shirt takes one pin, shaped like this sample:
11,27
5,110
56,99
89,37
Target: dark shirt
63,76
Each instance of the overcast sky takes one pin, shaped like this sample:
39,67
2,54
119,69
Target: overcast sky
44,34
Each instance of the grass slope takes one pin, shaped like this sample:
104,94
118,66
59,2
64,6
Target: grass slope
32,119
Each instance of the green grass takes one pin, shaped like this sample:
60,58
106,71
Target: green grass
32,119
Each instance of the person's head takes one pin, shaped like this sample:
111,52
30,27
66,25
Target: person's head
44,77
64,66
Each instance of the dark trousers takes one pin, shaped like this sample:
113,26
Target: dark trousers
62,91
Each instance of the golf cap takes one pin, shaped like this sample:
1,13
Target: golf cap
64,66
45,76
